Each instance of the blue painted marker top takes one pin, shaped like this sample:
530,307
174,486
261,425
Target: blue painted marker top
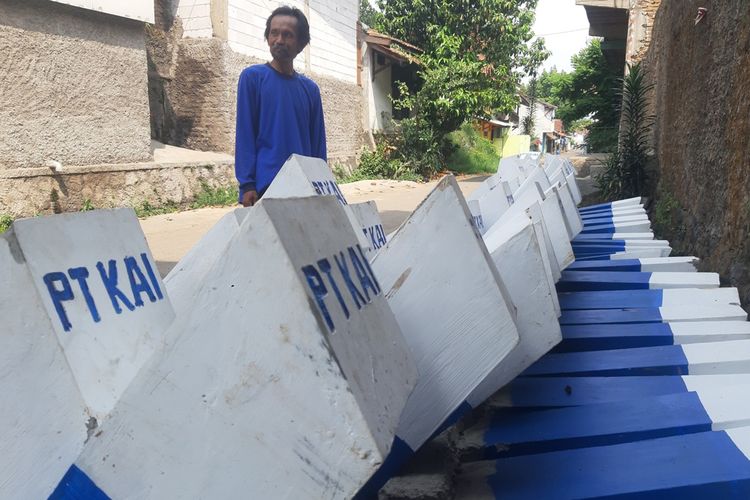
611,299
604,423
693,466
632,265
610,316
549,392
660,360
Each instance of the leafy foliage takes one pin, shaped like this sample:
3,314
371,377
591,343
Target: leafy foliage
637,124
473,153
5,222
529,120
625,171
367,14
210,196
475,53
590,91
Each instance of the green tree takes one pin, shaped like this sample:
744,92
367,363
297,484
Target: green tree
475,54
367,14
590,91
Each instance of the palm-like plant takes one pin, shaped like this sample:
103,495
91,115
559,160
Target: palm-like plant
625,172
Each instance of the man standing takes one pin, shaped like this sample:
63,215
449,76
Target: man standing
279,111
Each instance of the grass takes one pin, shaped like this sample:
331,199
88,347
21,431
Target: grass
207,197
473,154
215,196
5,222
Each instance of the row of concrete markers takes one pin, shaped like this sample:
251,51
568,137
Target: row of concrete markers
297,351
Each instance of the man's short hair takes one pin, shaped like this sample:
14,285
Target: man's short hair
303,27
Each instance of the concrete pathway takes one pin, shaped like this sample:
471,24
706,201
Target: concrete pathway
170,236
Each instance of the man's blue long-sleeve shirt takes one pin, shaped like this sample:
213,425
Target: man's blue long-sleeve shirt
277,115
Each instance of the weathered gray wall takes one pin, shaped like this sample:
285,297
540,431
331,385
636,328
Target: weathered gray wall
702,131
73,86
193,92
28,192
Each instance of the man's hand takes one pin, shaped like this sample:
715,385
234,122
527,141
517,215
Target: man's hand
249,198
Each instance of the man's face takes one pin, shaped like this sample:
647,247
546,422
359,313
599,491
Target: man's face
282,38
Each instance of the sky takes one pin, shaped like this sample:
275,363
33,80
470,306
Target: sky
564,27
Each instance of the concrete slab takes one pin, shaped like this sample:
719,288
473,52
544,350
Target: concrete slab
517,254
287,380
451,304
97,282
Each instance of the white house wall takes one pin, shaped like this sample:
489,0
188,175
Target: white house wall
196,18
332,49
140,10
378,93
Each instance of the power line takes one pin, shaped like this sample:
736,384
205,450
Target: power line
564,32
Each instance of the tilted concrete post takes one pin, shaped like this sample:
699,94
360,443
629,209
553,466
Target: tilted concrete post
83,309
287,379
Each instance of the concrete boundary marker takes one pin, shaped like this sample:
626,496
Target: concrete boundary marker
453,309
518,256
44,417
98,283
368,218
287,380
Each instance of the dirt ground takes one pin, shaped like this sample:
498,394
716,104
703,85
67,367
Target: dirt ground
170,236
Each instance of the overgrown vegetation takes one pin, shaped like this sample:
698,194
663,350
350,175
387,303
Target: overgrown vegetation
215,196
87,205
5,222
208,196
473,60
625,171
473,153
667,218
530,119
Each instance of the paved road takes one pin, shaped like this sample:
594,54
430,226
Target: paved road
170,236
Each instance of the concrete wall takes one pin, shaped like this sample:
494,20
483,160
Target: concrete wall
141,10
30,192
702,107
73,86
543,122
377,91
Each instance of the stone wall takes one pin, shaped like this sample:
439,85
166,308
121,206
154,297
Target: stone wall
73,86
193,92
702,106
32,191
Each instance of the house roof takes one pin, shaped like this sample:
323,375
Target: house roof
389,46
525,98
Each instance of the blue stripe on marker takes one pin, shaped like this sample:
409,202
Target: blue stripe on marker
600,229
595,425
608,337
587,251
594,243
597,213
693,466
76,485
598,206
399,455
610,316
593,237
595,257
632,265
611,299
581,281
659,360
552,392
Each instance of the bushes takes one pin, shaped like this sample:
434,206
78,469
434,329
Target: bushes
473,153
624,174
